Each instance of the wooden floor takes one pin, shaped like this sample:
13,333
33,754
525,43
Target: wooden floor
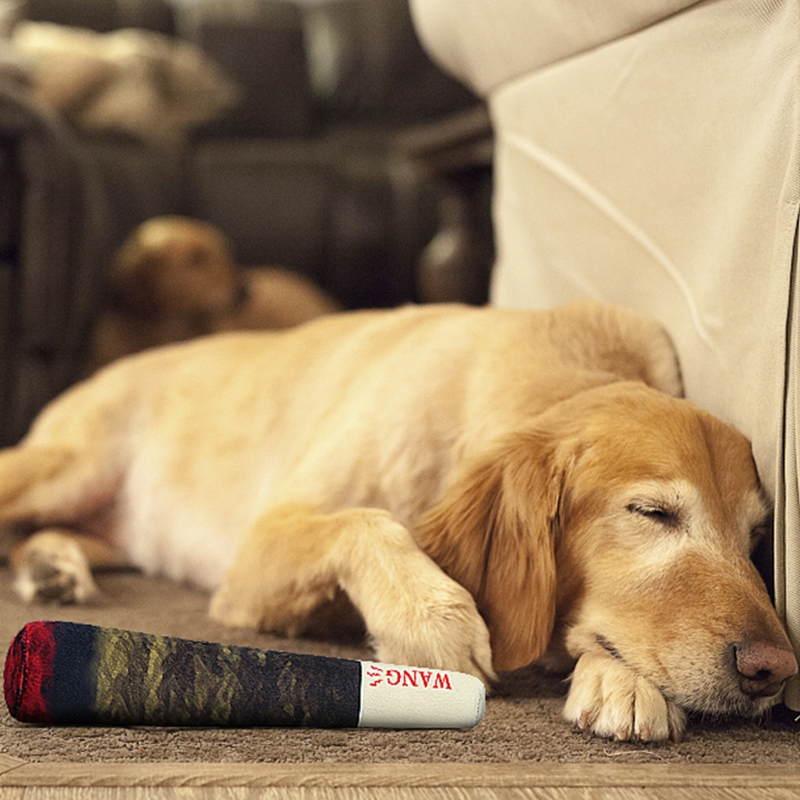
170,781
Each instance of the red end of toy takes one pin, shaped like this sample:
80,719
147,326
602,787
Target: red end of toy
28,672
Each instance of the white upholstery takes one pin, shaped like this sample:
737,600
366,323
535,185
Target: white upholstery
486,44
647,153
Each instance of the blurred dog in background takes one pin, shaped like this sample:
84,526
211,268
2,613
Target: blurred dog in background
175,278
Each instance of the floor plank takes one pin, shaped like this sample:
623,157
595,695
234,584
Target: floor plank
392,793
316,776
9,762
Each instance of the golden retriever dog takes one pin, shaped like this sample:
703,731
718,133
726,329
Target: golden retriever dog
486,488
175,278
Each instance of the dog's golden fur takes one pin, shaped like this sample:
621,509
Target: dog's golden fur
175,278
486,487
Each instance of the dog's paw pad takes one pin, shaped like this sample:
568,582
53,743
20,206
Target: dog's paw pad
53,585
55,575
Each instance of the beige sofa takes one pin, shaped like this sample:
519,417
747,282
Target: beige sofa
647,154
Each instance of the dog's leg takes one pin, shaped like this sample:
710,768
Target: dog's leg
45,487
293,560
609,699
21,471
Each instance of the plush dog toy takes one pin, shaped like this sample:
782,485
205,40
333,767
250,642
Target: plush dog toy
68,673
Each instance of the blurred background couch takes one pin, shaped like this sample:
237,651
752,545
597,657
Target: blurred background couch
350,157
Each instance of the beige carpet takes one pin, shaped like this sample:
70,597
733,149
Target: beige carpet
522,721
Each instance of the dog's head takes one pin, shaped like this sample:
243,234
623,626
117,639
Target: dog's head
177,266
623,520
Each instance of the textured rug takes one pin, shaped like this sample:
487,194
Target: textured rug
522,722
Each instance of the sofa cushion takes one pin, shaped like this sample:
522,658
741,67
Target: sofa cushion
104,15
261,47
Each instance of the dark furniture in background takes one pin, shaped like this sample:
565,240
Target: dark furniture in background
335,164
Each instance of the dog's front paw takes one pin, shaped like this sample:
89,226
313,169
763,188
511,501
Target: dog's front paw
52,568
442,630
610,700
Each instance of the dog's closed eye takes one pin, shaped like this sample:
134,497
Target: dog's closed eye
664,515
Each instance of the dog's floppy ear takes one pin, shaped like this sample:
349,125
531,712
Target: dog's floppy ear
494,532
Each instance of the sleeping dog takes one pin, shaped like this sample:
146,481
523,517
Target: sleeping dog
485,487
175,278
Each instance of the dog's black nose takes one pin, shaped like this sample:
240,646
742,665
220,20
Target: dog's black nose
763,667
